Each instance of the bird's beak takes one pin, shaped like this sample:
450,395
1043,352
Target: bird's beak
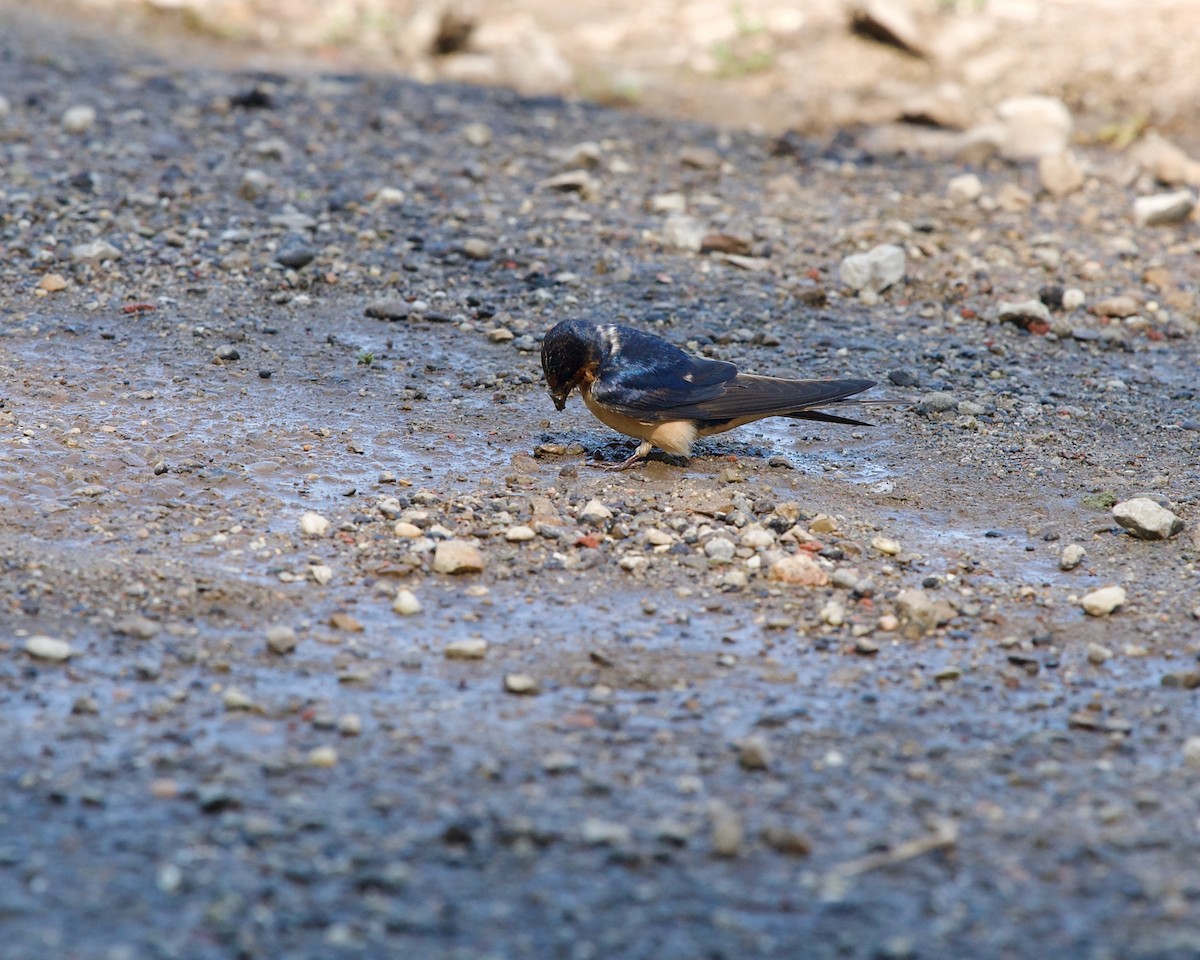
560,401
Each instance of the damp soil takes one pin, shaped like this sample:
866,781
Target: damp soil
715,763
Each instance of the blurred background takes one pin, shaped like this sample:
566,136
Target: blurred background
1121,66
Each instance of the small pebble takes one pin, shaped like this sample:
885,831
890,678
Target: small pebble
753,754
477,134
1072,556
875,270
235,699
254,185
605,833
520,534
472,649
595,512
281,639
889,548
1098,654
312,524
79,119
323,757
406,603
727,832
349,725
1163,209
1191,752
521,684
42,647
477,249
408,531
457,557
1104,601
227,353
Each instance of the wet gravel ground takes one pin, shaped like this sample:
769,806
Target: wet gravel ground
819,692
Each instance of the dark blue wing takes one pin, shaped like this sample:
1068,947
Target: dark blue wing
647,378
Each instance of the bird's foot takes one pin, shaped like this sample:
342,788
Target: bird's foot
616,467
640,453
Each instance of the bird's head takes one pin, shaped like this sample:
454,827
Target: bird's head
569,352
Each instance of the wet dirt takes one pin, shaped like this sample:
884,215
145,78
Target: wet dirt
716,763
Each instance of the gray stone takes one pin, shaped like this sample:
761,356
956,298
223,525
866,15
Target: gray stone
875,270
1163,209
1146,519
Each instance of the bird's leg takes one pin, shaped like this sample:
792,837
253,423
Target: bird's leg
640,453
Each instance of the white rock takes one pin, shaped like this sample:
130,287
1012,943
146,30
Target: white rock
633,562
323,757
79,119
875,270
312,524
1073,298
457,556
1098,654
596,832
886,546
406,530
965,188
1146,519
472,649
719,550
519,534
1060,173
1166,162
1034,126
754,754
1104,601
42,647
833,613
1162,209
94,251
521,684
389,197
682,232
281,639
595,512
756,538
1072,556
1191,752
320,573
674,202
1022,312
235,699
477,134
406,603
727,831
254,185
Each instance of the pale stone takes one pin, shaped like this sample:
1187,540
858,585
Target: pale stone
457,556
312,524
875,270
1163,209
1060,173
1104,601
42,647
1146,519
1034,126
406,603
472,649
800,569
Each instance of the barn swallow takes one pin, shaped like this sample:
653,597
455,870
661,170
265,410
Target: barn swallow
649,389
